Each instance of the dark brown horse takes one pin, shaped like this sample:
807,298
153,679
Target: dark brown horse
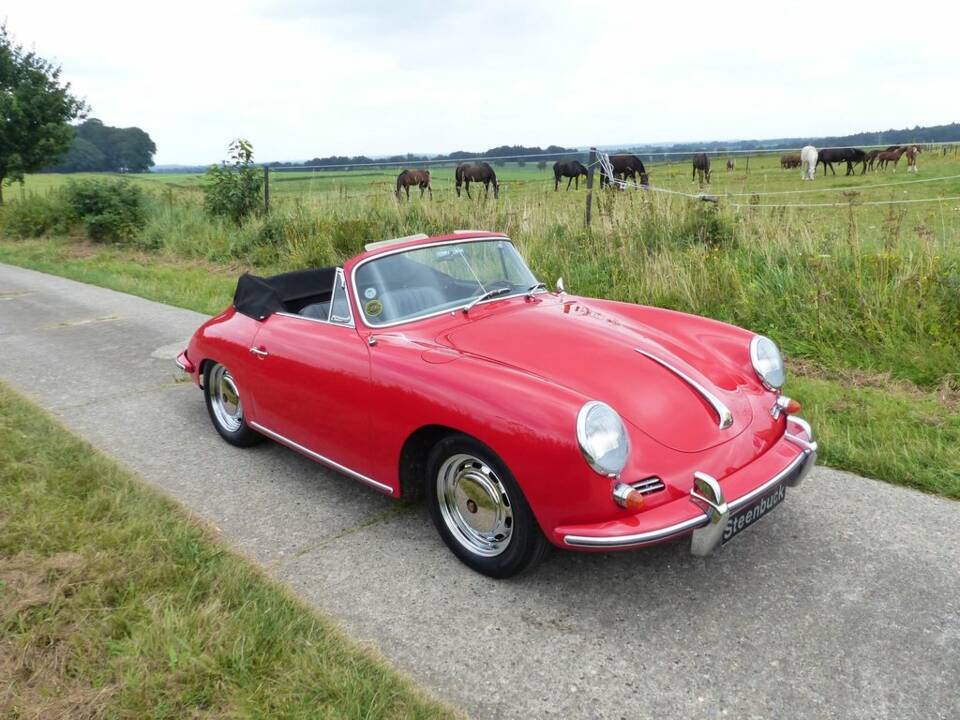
870,158
789,161
481,172
701,165
420,178
626,166
851,156
572,170
730,164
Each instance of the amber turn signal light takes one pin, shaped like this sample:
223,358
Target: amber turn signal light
628,498
793,407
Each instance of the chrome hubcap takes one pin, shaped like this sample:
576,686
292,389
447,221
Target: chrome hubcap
474,505
225,399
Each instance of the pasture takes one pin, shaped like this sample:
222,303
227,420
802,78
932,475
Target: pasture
863,298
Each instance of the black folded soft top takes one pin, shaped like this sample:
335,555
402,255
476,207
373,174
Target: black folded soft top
259,297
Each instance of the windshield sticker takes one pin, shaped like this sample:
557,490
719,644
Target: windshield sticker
373,308
370,293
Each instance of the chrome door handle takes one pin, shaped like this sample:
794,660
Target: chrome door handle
259,352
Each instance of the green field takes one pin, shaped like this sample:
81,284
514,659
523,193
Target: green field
864,299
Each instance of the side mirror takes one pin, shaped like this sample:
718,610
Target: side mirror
559,286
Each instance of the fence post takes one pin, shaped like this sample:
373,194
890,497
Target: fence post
747,169
266,189
591,166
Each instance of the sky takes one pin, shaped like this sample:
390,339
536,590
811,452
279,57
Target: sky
309,79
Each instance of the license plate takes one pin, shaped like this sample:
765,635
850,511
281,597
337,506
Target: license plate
753,512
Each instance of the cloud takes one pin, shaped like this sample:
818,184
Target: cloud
303,79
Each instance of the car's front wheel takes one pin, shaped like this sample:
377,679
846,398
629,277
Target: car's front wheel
479,509
225,406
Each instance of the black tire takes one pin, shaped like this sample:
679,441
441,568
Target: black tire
460,468
231,424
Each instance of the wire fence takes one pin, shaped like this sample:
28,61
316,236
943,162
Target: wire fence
335,174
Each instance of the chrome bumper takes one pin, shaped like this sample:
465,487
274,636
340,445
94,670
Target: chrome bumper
707,494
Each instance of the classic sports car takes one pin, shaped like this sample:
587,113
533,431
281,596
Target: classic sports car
441,367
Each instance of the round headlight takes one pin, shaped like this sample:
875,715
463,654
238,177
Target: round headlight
767,362
603,438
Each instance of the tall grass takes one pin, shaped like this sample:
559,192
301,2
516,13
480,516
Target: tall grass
865,288
840,295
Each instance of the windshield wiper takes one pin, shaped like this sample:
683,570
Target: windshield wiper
533,288
485,296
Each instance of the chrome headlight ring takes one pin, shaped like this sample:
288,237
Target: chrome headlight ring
602,438
767,362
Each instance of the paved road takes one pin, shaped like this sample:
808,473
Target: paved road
845,603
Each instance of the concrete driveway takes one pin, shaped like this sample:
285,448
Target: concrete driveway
844,603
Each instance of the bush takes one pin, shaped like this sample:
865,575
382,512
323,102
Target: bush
234,191
36,215
110,210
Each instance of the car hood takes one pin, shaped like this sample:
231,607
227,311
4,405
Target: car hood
600,354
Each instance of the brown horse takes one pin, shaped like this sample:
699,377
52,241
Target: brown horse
871,157
572,170
481,172
701,164
789,161
730,164
890,156
912,152
626,166
420,178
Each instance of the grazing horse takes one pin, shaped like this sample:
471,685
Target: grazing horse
481,172
572,170
626,166
420,178
912,152
890,156
851,156
808,162
701,165
730,164
789,161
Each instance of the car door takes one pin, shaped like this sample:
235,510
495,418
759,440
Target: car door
313,383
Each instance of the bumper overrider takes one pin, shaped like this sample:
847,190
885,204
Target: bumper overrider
709,514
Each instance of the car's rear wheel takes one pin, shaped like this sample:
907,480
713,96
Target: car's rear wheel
225,406
479,509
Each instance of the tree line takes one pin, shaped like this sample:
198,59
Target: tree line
916,134
551,152
101,148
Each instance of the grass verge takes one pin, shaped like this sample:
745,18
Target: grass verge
114,603
867,423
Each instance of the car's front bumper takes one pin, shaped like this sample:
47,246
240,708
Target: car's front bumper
705,512
184,363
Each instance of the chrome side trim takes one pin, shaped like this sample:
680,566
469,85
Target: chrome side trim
724,416
644,538
314,320
180,364
320,458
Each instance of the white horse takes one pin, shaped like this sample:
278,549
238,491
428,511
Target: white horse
808,162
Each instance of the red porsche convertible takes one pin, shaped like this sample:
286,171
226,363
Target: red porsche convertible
441,367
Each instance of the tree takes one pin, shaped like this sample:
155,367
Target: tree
234,191
118,149
35,111
83,156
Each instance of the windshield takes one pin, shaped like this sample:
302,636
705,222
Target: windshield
428,280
